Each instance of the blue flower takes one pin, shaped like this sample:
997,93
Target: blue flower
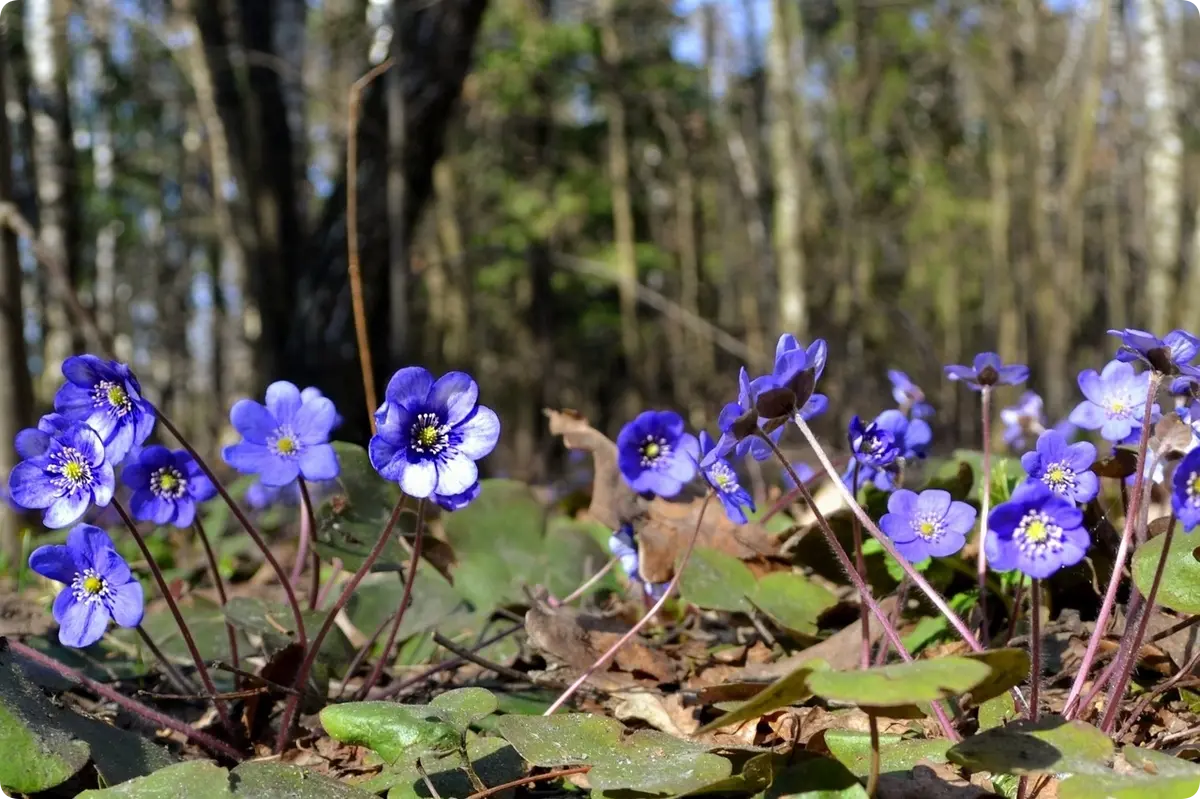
1023,419
100,586
1185,492
166,486
872,445
988,370
721,476
655,454
64,470
911,439
623,546
284,439
929,524
909,396
739,421
106,397
789,388
1169,355
312,393
458,501
1064,468
1036,532
429,434
1116,399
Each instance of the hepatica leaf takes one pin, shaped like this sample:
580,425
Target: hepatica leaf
200,779
351,519
462,707
397,733
902,687
1148,775
787,690
194,779
37,753
714,580
792,600
853,749
1048,746
1180,587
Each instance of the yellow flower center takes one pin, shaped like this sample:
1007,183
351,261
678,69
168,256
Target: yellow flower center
1116,406
651,450
93,584
167,482
1036,532
428,435
1057,475
926,529
117,396
73,471
1196,484
285,445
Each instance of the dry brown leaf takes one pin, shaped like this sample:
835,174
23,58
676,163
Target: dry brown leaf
666,713
578,640
928,781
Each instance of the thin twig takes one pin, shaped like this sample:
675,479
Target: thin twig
137,708
549,775
502,670
1140,707
252,677
176,678
446,665
353,269
587,585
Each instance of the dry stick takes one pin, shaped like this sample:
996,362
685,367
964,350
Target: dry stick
353,268
549,775
934,597
985,491
308,527
289,711
583,589
409,579
173,606
1127,657
1114,583
111,694
177,679
445,665
219,583
642,622
1140,707
1191,621
484,663
246,525
860,585
1035,647
860,565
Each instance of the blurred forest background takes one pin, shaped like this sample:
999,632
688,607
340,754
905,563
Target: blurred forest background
596,204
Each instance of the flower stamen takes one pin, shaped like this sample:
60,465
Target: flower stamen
168,483
114,397
89,586
428,436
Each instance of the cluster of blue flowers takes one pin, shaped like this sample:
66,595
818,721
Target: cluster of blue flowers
1038,530
430,433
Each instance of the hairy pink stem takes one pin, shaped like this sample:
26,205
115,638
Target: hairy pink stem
585,587
1035,648
302,552
985,502
860,566
314,647
1127,656
133,706
335,572
1114,583
398,619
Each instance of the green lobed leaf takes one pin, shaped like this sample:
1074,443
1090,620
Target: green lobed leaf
566,739
193,779
494,761
463,707
205,620
1048,746
714,580
266,780
397,733
1150,775
853,750
816,778
787,690
37,753
901,687
273,624
1009,667
1180,586
433,600
792,600
996,711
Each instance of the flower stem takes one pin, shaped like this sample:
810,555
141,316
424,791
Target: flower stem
409,579
116,697
860,584
860,565
335,572
985,493
642,622
173,606
215,570
246,525
1127,656
1131,515
314,648
885,542
308,527
873,776
1035,648
181,683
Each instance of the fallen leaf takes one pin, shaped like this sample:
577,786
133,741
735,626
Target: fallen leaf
578,640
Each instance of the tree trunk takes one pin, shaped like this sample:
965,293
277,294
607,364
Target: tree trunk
57,181
786,156
16,390
397,197
1163,163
